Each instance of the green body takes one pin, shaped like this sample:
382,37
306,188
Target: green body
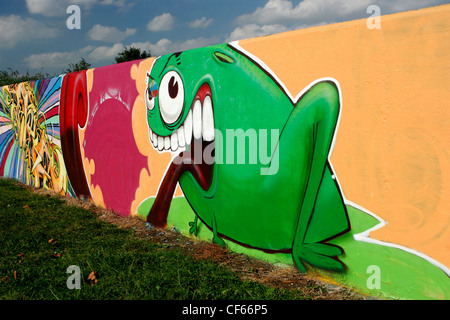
295,206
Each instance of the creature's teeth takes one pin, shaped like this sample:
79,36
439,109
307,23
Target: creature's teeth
208,120
181,140
166,143
188,128
160,143
150,134
174,141
155,140
197,119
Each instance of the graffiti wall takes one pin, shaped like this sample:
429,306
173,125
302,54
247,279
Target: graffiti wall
30,140
324,148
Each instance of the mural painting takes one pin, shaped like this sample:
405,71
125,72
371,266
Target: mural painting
74,102
107,138
30,135
188,104
287,148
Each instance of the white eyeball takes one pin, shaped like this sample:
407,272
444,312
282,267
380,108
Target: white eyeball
171,97
149,100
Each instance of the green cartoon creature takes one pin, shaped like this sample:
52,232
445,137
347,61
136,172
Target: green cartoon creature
253,162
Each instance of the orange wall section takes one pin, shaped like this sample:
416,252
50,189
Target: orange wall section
392,152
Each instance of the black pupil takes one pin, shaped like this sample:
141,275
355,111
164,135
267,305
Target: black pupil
173,88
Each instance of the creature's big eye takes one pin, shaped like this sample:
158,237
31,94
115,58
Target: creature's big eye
171,97
150,93
149,101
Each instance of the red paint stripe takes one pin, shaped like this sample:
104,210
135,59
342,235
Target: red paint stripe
2,168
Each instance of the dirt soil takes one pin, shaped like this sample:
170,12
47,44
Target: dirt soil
248,268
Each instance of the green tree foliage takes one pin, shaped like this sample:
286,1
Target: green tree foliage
131,54
82,65
14,76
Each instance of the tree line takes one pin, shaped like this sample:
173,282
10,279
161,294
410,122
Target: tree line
10,76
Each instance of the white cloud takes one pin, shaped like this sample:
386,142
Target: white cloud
109,34
165,46
48,8
313,12
123,5
254,30
52,60
307,11
161,47
202,23
195,43
105,53
164,22
15,29
117,3
54,8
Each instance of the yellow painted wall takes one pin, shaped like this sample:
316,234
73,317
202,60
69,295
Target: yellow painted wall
392,152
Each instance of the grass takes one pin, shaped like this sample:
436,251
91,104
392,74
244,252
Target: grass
42,236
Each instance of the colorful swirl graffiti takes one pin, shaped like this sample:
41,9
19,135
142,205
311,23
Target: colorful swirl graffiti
30,136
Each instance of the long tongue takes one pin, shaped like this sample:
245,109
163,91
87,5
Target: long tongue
183,162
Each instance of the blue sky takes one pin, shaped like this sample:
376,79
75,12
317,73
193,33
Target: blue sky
34,36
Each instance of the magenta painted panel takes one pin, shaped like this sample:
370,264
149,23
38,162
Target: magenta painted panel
108,138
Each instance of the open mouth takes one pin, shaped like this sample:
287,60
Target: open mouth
198,125
194,136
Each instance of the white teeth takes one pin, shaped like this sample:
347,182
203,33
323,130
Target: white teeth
188,128
197,119
199,124
174,141
160,143
167,143
181,141
150,134
208,120
155,140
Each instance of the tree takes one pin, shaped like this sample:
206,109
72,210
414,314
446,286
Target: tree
132,54
82,65
14,76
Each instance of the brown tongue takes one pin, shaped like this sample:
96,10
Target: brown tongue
185,161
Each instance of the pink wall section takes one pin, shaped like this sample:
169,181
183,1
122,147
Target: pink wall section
108,137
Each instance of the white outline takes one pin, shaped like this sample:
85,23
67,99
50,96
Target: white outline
365,237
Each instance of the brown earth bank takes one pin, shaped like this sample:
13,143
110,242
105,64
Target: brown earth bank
246,267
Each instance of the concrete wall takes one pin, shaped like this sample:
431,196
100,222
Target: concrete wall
324,148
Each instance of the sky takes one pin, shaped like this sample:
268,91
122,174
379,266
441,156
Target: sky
35,37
